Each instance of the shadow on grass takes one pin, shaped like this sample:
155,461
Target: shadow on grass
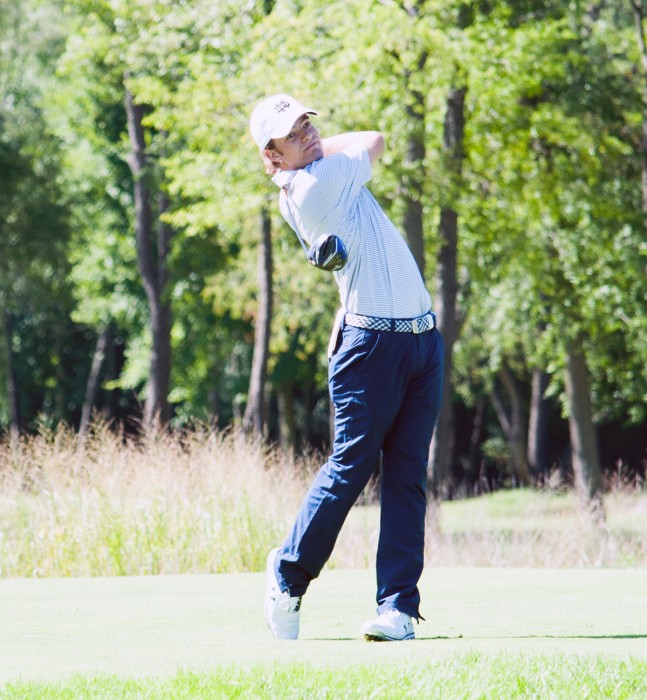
459,637
581,636
537,636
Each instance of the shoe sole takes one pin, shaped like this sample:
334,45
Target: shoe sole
368,637
270,578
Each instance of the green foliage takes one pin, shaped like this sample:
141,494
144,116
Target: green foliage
552,198
549,201
35,295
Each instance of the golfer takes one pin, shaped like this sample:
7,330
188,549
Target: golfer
385,370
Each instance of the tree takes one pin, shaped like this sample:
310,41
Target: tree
538,426
152,255
562,130
135,67
442,444
533,221
33,232
639,20
253,419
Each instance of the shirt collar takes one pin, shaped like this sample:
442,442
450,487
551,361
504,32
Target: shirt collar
284,178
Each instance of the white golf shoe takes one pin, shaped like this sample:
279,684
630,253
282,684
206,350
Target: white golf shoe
390,626
282,612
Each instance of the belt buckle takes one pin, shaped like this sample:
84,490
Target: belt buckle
419,325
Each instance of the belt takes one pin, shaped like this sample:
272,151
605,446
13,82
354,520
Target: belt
399,325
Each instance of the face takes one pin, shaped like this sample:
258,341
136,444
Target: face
299,148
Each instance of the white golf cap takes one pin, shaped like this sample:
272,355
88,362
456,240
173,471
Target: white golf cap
273,118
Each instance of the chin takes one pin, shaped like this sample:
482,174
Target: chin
315,155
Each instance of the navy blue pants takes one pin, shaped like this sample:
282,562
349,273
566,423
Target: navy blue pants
386,388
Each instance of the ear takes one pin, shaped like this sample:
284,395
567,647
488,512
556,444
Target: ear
272,155
272,164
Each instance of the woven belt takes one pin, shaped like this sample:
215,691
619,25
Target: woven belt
399,325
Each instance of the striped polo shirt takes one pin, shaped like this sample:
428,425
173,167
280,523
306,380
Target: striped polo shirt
381,277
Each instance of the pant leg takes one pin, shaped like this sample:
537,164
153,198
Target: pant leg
404,476
366,398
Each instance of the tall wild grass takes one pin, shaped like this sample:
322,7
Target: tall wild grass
209,502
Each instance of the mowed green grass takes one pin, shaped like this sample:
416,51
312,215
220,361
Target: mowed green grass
481,676
489,633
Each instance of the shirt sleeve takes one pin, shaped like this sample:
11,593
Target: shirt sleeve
324,192
342,175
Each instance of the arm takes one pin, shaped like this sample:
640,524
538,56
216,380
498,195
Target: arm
371,141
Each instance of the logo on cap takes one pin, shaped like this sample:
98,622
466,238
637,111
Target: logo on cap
282,106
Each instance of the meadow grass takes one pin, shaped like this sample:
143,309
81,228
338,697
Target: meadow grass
212,502
196,502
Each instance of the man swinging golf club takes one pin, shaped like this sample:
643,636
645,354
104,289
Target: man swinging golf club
385,369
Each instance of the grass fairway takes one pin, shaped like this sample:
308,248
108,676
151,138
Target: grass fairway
490,633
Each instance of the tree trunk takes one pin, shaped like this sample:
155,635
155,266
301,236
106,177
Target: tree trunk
538,428
512,424
151,267
442,446
584,448
92,385
287,426
475,438
157,405
253,419
642,46
415,173
304,429
114,363
12,385
412,219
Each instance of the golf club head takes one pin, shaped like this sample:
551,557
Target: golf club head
328,253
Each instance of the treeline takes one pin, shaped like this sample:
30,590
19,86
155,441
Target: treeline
145,272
